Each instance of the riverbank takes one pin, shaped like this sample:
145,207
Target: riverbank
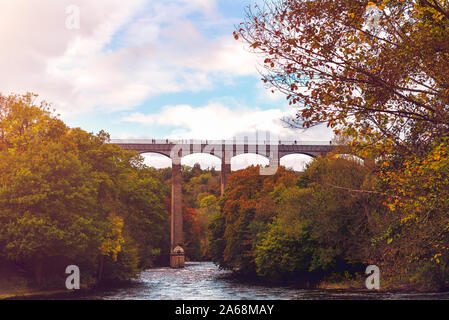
29,294
346,285
14,283
43,294
203,280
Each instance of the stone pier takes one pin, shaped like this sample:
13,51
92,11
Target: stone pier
225,173
176,258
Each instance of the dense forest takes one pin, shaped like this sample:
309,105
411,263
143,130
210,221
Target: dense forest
300,227
69,197
376,72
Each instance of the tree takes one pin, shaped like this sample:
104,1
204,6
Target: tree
376,70
280,254
246,208
70,197
208,210
147,216
416,233
200,190
47,206
338,221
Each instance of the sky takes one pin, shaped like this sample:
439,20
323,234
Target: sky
146,69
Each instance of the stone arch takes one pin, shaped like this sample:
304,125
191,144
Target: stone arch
237,165
157,160
296,161
164,153
216,160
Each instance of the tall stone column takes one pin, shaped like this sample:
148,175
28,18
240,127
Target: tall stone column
225,173
176,259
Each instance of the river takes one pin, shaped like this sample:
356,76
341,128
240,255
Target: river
203,280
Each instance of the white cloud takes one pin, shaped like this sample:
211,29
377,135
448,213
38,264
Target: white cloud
218,121
124,53
214,121
34,37
296,162
127,52
264,93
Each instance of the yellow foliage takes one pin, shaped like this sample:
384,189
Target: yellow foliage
112,244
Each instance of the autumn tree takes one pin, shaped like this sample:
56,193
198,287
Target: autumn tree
47,204
201,187
246,209
146,215
376,72
206,213
70,197
321,226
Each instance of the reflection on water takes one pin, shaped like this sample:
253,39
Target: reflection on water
203,280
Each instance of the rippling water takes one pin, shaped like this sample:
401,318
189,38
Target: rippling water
203,280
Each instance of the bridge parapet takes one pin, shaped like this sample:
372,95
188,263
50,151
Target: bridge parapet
217,142
232,148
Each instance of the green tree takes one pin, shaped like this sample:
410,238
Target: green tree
245,211
70,197
47,206
282,254
147,216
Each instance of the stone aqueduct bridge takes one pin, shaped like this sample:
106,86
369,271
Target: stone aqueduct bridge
223,149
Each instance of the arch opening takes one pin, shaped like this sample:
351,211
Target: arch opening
297,161
246,160
156,160
205,160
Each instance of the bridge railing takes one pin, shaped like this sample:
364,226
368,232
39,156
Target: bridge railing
218,142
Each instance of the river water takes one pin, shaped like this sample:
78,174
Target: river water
203,280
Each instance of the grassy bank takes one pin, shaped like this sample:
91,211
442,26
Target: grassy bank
13,281
17,283
29,294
